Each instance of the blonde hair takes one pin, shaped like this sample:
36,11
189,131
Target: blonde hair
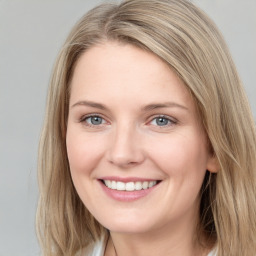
188,41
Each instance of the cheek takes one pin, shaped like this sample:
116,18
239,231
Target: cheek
179,151
83,151
183,159
84,154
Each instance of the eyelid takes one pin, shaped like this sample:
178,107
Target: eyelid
83,118
171,119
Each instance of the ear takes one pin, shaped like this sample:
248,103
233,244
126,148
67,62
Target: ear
213,164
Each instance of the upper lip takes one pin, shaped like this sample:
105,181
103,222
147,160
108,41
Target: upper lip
126,179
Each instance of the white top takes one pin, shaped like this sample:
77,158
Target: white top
98,249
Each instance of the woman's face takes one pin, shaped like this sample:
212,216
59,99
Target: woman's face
136,148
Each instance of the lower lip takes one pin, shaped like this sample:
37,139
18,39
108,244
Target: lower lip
126,196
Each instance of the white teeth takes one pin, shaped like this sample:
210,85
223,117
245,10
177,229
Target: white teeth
145,185
129,186
108,183
113,184
138,185
120,185
151,184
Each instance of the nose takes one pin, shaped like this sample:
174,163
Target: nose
125,148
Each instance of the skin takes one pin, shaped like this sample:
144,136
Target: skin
129,142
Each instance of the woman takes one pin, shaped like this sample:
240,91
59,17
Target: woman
148,146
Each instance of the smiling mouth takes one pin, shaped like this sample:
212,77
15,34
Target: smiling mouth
129,186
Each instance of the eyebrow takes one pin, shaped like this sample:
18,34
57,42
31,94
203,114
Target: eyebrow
89,104
146,108
163,105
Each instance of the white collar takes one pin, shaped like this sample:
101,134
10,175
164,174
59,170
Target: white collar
98,248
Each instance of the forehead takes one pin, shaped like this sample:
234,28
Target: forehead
125,72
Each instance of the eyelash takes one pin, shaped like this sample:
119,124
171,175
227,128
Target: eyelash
170,121
84,118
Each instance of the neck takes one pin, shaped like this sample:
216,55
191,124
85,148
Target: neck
175,240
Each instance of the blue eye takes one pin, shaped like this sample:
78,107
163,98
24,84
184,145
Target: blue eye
94,120
162,121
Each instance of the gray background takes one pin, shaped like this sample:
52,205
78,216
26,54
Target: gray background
31,33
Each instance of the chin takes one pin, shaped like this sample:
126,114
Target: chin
127,226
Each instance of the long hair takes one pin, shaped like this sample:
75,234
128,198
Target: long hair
188,41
